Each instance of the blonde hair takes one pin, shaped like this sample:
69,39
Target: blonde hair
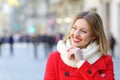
96,25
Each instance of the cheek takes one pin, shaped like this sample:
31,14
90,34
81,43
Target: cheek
87,38
85,42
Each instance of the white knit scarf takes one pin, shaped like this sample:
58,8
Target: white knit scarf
91,53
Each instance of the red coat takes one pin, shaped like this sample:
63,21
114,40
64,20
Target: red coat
56,69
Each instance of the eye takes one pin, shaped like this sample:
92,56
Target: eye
84,31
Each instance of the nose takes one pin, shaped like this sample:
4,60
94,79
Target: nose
76,34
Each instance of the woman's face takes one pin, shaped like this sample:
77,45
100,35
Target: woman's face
80,33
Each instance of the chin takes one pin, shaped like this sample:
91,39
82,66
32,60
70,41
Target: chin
76,45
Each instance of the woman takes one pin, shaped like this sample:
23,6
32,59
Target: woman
82,55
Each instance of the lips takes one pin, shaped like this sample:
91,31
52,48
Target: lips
77,40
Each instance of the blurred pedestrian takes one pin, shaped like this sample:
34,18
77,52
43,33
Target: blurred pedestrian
35,41
11,42
82,55
1,42
112,43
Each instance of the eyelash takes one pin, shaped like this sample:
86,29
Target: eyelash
80,30
84,31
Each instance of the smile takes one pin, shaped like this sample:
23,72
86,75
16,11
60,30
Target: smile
76,40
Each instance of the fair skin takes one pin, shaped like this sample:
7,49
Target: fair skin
80,36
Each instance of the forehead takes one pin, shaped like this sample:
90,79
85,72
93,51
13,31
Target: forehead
81,23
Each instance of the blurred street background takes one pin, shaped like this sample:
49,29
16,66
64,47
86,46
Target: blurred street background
30,29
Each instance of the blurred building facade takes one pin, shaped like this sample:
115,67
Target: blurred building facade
53,16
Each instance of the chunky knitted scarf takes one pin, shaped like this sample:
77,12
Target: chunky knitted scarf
91,53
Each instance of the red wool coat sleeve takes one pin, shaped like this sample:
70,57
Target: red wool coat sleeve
102,69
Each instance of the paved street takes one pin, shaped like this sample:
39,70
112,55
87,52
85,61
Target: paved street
23,65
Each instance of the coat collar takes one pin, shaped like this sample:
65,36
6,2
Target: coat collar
100,64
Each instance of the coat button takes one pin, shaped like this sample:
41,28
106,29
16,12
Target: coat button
89,72
66,73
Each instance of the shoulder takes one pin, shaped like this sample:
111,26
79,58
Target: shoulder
54,55
104,62
53,58
107,58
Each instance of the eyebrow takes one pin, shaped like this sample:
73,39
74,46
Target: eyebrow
80,28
